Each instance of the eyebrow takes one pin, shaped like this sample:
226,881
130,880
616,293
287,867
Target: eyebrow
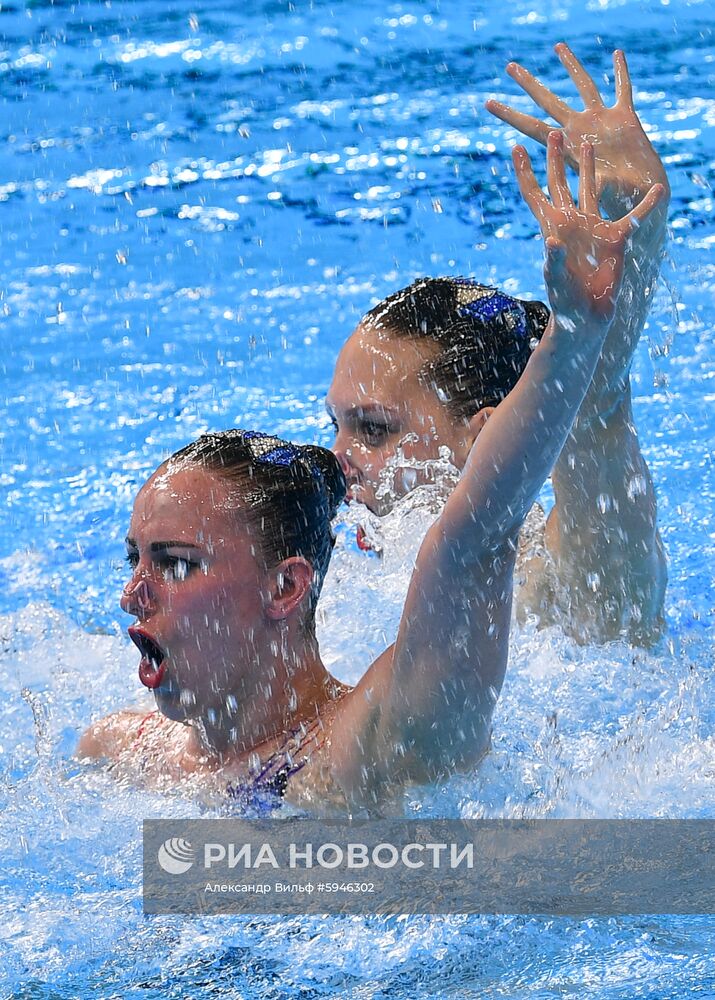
368,409
160,546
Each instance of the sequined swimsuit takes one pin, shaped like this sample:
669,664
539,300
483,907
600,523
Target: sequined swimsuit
264,787
267,782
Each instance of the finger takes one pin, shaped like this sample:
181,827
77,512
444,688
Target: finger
556,171
637,216
624,90
526,124
540,94
584,84
587,196
528,185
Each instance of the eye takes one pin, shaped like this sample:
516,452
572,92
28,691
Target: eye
373,432
176,568
132,559
334,424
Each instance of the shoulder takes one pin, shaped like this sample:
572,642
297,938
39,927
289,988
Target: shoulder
110,736
353,764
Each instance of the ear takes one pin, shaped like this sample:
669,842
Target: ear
477,422
289,584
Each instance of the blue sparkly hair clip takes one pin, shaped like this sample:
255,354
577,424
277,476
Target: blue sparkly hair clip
487,304
269,450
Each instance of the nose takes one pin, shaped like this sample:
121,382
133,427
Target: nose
344,462
136,598
344,454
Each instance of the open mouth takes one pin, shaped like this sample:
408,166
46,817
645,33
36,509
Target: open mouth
368,540
151,667
363,543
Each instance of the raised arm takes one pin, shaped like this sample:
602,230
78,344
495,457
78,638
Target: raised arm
626,166
424,708
602,532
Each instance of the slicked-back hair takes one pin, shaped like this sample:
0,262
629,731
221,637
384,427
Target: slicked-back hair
287,494
484,338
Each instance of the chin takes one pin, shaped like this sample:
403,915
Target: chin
377,507
381,508
168,702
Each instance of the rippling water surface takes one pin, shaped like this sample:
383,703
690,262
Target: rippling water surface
196,204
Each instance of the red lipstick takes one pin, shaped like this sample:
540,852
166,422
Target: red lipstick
151,666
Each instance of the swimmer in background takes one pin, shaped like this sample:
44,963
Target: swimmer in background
230,539
422,372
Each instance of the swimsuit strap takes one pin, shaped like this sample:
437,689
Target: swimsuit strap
292,756
142,724
271,778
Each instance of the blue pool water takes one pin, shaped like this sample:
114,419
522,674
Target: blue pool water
196,204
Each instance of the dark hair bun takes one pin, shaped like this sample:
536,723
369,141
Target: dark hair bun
331,475
537,318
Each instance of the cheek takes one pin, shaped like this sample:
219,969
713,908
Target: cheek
213,607
193,616
372,461
436,431
421,443
433,430
374,458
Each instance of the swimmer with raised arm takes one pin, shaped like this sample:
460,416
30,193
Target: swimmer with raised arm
424,369
230,538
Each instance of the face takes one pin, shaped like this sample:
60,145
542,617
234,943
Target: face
197,591
377,403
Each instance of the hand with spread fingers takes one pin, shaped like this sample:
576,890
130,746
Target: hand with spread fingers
626,164
584,252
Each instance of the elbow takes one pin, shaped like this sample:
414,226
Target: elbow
460,750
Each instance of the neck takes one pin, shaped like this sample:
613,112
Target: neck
291,685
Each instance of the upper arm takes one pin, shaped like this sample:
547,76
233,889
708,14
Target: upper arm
451,651
424,707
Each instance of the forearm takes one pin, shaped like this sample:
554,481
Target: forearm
602,534
640,274
641,267
645,247
605,492
451,649
601,453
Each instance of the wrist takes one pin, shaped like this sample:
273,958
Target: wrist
625,190
586,329
577,346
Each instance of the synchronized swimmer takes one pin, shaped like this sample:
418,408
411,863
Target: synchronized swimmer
425,368
230,538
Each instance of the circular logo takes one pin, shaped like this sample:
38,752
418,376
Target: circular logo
176,856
